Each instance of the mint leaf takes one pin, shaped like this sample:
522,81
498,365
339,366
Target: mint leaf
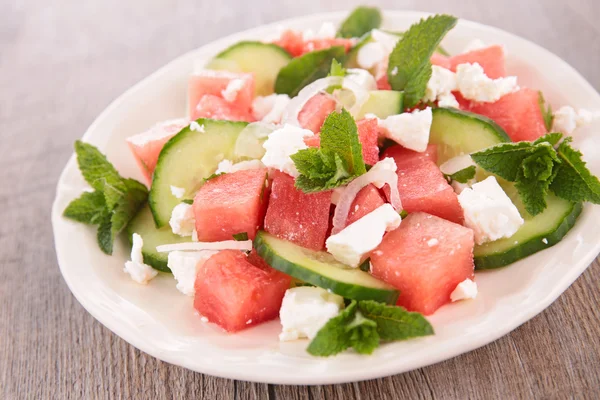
553,138
364,338
546,110
340,135
90,208
188,201
409,68
337,69
462,176
240,236
306,69
503,159
573,181
105,236
359,22
128,206
96,169
395,323
534,178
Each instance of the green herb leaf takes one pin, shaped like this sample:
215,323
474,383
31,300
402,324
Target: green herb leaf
364,338
213,176
546,110
96,169
240,236
188,201
128,206
573,181
464,175
306,69
504,159
535,175
553,138
395,323
409,68
366,265
337,69
90,208
340,135
105,236
359,22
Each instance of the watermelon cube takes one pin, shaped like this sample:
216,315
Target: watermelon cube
441,60
146,146
214,83
292,42
315,111
301,218
425,258
368,199
321,44
368,133
229,204
402,155
214,107
235,291
490,58
313,141
422,187
518,113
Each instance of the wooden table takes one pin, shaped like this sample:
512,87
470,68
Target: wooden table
62,62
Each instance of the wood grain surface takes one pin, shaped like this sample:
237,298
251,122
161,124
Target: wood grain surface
62,62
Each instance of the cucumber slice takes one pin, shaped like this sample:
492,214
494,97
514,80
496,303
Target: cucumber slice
537,233
143,225
321,269
187,159
263,59
460,132
382,103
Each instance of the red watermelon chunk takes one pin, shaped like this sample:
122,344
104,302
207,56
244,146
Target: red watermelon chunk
403,155
422,187
425,258
313,141
441,60
518,113
147,146
368,199
293,42
321,44
209,82
217,108
236,292
490,58
230,204
382,83
368,133
315,111
301,218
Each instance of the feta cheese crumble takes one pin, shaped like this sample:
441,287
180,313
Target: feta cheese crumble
227,166
351,244
489,211
474,84
230,93
440,87
281,144
177,191
361,77
139,272
326,31
370,54
184,264
183,222
567,120
195,126
270,108
305,310
410,130
467,289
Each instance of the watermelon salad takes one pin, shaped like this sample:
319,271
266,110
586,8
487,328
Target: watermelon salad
349,181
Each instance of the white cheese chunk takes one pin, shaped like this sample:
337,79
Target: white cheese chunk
270,108
305,310
567,119
231,91
227,166
440,87
474,84
489,211
354,242
370,54
326,31
410,130
182,221
362,77
177,191
283,143
139,272
387,40
184,265
467,289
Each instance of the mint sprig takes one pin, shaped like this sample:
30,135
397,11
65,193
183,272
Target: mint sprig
337,69
337,161
112,204
462,176
359,22
573,181
409,67
362,325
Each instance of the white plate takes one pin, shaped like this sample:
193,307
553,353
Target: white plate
160,321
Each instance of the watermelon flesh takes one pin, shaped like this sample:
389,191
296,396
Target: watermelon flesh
229,204
293,42
368,199
236,292
518,113
425,258
441,60
214,107
147,146
368,133
301,218
490,58
315,111
403,155
214,83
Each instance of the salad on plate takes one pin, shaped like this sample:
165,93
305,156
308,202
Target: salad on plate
348,180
